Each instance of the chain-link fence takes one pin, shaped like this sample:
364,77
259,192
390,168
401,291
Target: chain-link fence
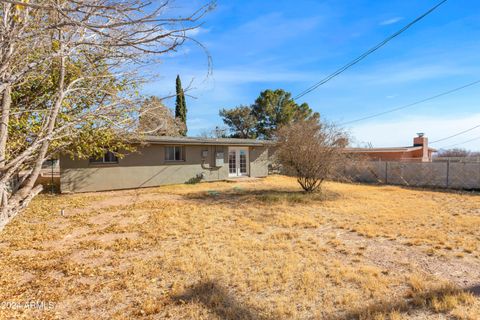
448,174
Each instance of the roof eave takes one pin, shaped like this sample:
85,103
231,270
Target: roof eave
204,142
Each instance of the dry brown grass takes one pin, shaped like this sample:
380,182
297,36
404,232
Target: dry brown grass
247,250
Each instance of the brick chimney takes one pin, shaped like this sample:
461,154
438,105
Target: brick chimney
422,140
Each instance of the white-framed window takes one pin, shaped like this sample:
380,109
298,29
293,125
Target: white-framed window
108,157
174,153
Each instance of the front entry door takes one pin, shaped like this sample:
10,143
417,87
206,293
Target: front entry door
237,161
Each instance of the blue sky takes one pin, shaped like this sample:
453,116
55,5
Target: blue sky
258,45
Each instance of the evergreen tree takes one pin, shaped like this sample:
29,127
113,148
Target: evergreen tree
271,110
181,105
240,121
274,108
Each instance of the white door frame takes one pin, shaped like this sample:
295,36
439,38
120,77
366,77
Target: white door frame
238,162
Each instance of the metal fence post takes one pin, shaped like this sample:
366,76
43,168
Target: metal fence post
386,172
448,173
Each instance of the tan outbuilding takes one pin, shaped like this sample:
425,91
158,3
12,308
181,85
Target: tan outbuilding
166,160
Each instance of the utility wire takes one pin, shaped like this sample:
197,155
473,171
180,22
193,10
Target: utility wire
457,134
412,104
460,143
368,52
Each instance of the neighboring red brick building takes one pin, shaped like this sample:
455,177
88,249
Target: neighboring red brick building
419,152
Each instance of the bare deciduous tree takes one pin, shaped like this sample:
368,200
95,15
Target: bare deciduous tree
456,152
216,133
83,54
310,150
158,120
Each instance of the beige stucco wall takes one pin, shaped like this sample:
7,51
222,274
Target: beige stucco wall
147,168
258,161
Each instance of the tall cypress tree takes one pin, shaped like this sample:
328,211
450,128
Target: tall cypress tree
181,105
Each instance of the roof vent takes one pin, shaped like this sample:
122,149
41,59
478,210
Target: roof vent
420,134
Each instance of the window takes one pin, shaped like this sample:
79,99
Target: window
243,161
232,162
174,153
108,157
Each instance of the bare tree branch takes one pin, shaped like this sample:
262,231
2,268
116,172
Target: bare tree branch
67,73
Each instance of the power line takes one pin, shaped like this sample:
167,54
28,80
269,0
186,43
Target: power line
412,104
460,143
368,52
457,134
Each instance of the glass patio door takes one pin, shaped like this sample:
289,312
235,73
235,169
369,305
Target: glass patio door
237,161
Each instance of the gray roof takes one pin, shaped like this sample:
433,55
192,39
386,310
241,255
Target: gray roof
205,141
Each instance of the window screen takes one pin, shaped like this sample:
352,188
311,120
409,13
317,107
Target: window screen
108,157
174,153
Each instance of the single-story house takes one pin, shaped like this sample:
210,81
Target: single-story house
418,152
166,160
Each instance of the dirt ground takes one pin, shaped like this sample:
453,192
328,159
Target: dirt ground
258,249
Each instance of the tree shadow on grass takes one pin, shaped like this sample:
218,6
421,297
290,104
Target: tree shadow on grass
475,290
221,302
415,302
262,196
463,192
